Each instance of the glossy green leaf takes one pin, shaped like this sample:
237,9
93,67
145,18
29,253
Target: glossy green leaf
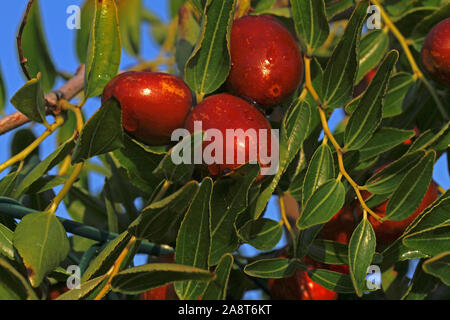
52,160
130,25
384,140
329,252
387,180
2,94
209,65
138,162
105,260
188,33
30,100
217,288
102,133
178,164
340,73
305,239
104,48
336,7
6,242
331,280
369,112
161,220
310,22
140,279
194,240
8,184
439,266
230,199
275,268
433,241
374,45
263,234
320,170
361,249
412,189
35,49
84,291
323,204
13,286
294,131
82,36
41,241
429,139
399,86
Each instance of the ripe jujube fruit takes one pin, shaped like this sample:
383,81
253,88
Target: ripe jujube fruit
435,53
226,112
388,231
153,104
266,62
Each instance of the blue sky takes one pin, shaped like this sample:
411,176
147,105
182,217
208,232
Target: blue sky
62,50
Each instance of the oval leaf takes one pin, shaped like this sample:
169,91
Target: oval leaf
263,234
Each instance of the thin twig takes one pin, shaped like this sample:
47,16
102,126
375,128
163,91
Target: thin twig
23,60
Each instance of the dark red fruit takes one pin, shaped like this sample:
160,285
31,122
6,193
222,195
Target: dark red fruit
364,83
267,64
153,104
388,231
56,290
340,228
226,112
436,52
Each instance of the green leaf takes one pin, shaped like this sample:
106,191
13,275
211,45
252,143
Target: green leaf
104,48
324,203
369,112
83,34
275,268
439,266
340,73
85,290
337,7
102,133
52,160
331,280
263,234
387,180
361,249
209,65
173,171
35,50
8,184
194,240
13,286
143,278
310,22
2,94
6,242
399,86
188,33
374,45
320,170
305,239
217,288
230,199
433,241
42,243
384,140
329,252
429,139
30,100
161,219
421,286
138,163
295,127
105,260
412,189
130,25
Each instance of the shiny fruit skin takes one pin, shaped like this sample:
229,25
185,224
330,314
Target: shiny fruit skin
267,65
225,111
388,231
153,104
435,53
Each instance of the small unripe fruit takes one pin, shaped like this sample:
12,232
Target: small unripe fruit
153,104
435,53
388,231
267,64
226,112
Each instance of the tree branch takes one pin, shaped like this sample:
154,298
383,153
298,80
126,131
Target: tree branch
67,91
